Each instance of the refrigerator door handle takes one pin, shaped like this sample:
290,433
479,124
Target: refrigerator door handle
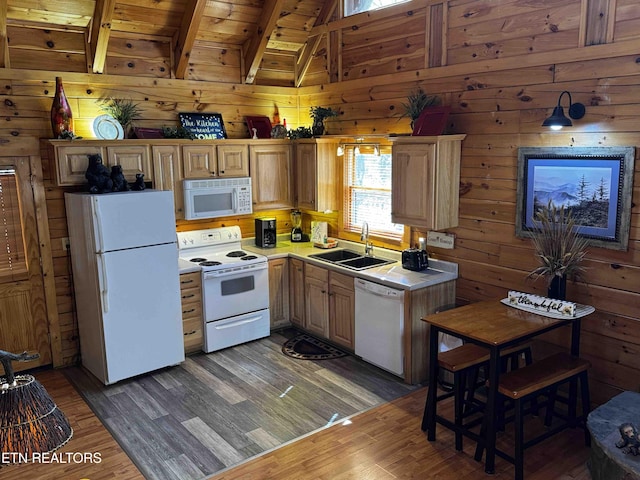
102,279
98,224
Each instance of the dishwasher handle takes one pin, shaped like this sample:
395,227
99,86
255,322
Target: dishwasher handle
378,290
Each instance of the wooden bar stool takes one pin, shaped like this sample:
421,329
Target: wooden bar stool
465,362
531,381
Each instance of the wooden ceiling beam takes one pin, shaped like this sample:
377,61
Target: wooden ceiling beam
4,42
254,48
187,35
100,31
310,47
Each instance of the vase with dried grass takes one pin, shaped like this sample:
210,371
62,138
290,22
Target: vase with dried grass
559,248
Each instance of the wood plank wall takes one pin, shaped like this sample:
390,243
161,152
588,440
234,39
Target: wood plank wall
500,64
504,65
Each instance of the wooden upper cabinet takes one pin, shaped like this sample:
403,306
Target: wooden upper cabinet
212,161
317,175
167,173
271,176
233,160
71,162
200,161
425,178
134,159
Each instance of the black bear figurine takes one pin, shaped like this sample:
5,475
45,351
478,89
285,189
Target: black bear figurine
139,183
117,177
98,175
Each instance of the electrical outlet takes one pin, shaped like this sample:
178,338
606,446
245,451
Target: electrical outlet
65,244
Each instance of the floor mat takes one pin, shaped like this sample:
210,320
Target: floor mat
306,347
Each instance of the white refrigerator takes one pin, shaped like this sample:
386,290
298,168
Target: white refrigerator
126,281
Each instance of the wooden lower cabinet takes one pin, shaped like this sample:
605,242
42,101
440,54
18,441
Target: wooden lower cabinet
341,310
329,305
192,321
296,292
279,292
316,294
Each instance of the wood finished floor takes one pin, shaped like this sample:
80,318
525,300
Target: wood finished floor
386,443
218,410
382,443
89,436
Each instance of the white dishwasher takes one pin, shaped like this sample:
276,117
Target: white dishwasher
379,325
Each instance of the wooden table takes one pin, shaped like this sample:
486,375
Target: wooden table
495,326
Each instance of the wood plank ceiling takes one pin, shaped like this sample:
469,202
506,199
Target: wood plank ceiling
252,28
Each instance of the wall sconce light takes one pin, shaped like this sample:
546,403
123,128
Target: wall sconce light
357,146
557,120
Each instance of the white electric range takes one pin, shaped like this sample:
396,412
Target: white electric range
235,286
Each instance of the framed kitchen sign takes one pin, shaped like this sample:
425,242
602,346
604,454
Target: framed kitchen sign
595,184
203,125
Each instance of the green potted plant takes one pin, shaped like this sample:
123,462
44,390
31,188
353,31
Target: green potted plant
123,110
318,114
416,102
559,249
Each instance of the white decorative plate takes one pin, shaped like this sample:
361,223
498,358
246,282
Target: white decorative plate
105,127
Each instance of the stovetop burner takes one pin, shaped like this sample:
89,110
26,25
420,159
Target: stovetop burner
216,249
209,263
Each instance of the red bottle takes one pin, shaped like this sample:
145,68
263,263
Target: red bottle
61,117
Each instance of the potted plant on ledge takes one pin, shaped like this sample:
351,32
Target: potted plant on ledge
559,249
416,102
318,114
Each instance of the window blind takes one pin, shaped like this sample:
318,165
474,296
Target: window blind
12,255
367,192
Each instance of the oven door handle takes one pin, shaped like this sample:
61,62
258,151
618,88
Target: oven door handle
230,272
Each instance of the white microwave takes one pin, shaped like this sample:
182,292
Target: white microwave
217,197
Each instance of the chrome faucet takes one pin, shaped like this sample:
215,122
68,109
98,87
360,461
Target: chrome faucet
364,236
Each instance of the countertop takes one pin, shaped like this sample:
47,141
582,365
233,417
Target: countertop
391,275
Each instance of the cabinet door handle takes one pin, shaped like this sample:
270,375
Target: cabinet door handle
189,296
190,333
184,282
221,172
188,311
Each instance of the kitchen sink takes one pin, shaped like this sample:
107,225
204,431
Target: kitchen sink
365,262
350,259
336,255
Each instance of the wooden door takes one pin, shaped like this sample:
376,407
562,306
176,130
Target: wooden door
316,286
23,308
271,176
296,291
279,292
72,162
342,310
133,159
233,160
167,174
306,176
199,161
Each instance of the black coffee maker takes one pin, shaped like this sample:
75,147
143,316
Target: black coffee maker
265,232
